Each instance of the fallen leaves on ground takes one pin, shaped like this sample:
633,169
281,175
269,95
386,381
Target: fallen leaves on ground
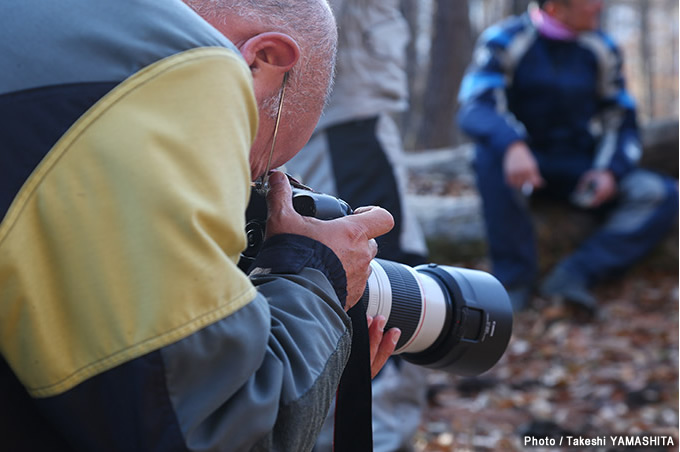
614,375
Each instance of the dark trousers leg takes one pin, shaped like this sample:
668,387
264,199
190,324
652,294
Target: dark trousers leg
364,177
509,228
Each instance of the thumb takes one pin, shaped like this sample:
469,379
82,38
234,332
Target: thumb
375,220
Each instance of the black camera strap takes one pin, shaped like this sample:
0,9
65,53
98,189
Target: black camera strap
353,430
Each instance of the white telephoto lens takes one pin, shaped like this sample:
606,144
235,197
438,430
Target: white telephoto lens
386,300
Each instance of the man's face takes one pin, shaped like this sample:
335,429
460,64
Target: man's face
299,116
579,15
268,53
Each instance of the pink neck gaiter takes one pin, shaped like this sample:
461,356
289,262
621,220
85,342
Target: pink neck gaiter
550,27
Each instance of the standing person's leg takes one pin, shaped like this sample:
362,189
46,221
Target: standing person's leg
364,176
399,398
509,228
412,246
348,161
368,168
362,162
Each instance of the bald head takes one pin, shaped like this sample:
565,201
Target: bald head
278,36
309,22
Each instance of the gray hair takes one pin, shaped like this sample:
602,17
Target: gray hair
309,22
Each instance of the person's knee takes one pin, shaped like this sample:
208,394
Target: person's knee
645,187
644,197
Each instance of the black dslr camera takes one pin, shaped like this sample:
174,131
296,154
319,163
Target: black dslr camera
453,319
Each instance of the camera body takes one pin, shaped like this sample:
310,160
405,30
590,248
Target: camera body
306,202
454,319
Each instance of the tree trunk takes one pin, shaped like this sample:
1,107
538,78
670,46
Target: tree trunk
450,54
646,54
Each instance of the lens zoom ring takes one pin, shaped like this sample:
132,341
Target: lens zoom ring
407,302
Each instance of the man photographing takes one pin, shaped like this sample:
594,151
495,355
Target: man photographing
131,132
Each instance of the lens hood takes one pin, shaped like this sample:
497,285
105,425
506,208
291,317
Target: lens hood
478,326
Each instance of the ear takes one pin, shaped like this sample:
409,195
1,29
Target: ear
270,54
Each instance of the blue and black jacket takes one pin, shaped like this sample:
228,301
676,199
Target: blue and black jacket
561,97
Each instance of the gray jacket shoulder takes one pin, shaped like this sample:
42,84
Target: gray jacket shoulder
264,377
80,41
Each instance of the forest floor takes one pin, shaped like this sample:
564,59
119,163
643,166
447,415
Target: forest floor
562,375
565,376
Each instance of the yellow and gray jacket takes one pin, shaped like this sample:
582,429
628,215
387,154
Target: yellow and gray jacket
125,323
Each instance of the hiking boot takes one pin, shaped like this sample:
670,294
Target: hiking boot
571,288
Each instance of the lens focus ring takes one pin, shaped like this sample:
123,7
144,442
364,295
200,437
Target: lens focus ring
407,302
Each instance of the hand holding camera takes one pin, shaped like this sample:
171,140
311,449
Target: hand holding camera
350,237
454,319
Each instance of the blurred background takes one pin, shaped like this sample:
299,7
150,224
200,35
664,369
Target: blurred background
646,30
617,374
